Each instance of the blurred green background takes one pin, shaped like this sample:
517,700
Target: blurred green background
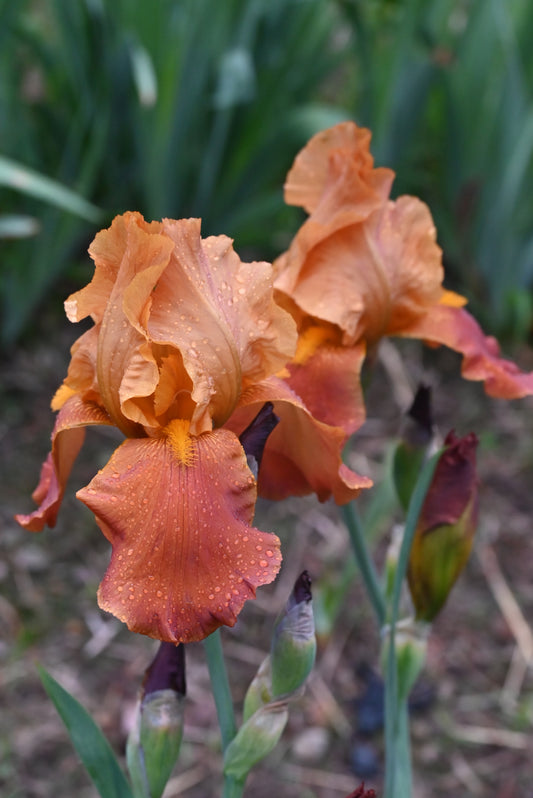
197,107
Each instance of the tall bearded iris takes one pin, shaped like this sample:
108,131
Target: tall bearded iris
362,267
185,337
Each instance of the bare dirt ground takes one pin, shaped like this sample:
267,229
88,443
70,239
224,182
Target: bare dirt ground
473,714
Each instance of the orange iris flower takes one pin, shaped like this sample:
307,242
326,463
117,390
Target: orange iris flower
362,267
185,346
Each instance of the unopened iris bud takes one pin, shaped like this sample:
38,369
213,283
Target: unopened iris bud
416,437
154,742
446,527
293,647
255,739
292,652
259,692
254,437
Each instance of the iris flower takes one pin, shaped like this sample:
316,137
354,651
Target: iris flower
184,350
362,267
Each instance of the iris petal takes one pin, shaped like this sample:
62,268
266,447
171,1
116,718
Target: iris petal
67,440
456,328
302,455
185,557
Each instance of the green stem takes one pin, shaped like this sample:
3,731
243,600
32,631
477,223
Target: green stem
366,566
221,692
397,751
232,788
218,674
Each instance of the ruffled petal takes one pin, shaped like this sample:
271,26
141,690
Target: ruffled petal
121,340
369,279
456,328
220,314
302,455
107,250
67,439
334,169
81,378
177,511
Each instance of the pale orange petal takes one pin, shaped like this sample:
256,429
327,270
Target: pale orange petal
81,378
220,314
336,168
302,455
121,340
370,279
173,395
67,439
185,558
107,250
456,328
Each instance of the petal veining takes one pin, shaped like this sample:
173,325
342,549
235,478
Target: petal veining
185,557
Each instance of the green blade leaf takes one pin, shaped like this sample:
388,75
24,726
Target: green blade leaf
88,740
19,177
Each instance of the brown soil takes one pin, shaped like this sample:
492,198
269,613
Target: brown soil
472,731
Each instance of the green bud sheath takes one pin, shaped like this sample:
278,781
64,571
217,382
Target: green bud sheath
260,691
154,743
293,647
411,451
255,739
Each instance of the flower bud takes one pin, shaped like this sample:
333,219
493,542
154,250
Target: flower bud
293,647
154,742
259,692
446,526
254,437
416,437
255,739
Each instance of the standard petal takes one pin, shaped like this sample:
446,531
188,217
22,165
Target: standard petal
122,340
67,439
107,250
220,314
177,511
335,168
302,455
369,279
456,328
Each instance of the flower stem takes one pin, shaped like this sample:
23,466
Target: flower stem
221,692
366,566
232,788
397,747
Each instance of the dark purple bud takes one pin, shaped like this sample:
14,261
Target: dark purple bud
167,671
421,431
254,437
302,590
